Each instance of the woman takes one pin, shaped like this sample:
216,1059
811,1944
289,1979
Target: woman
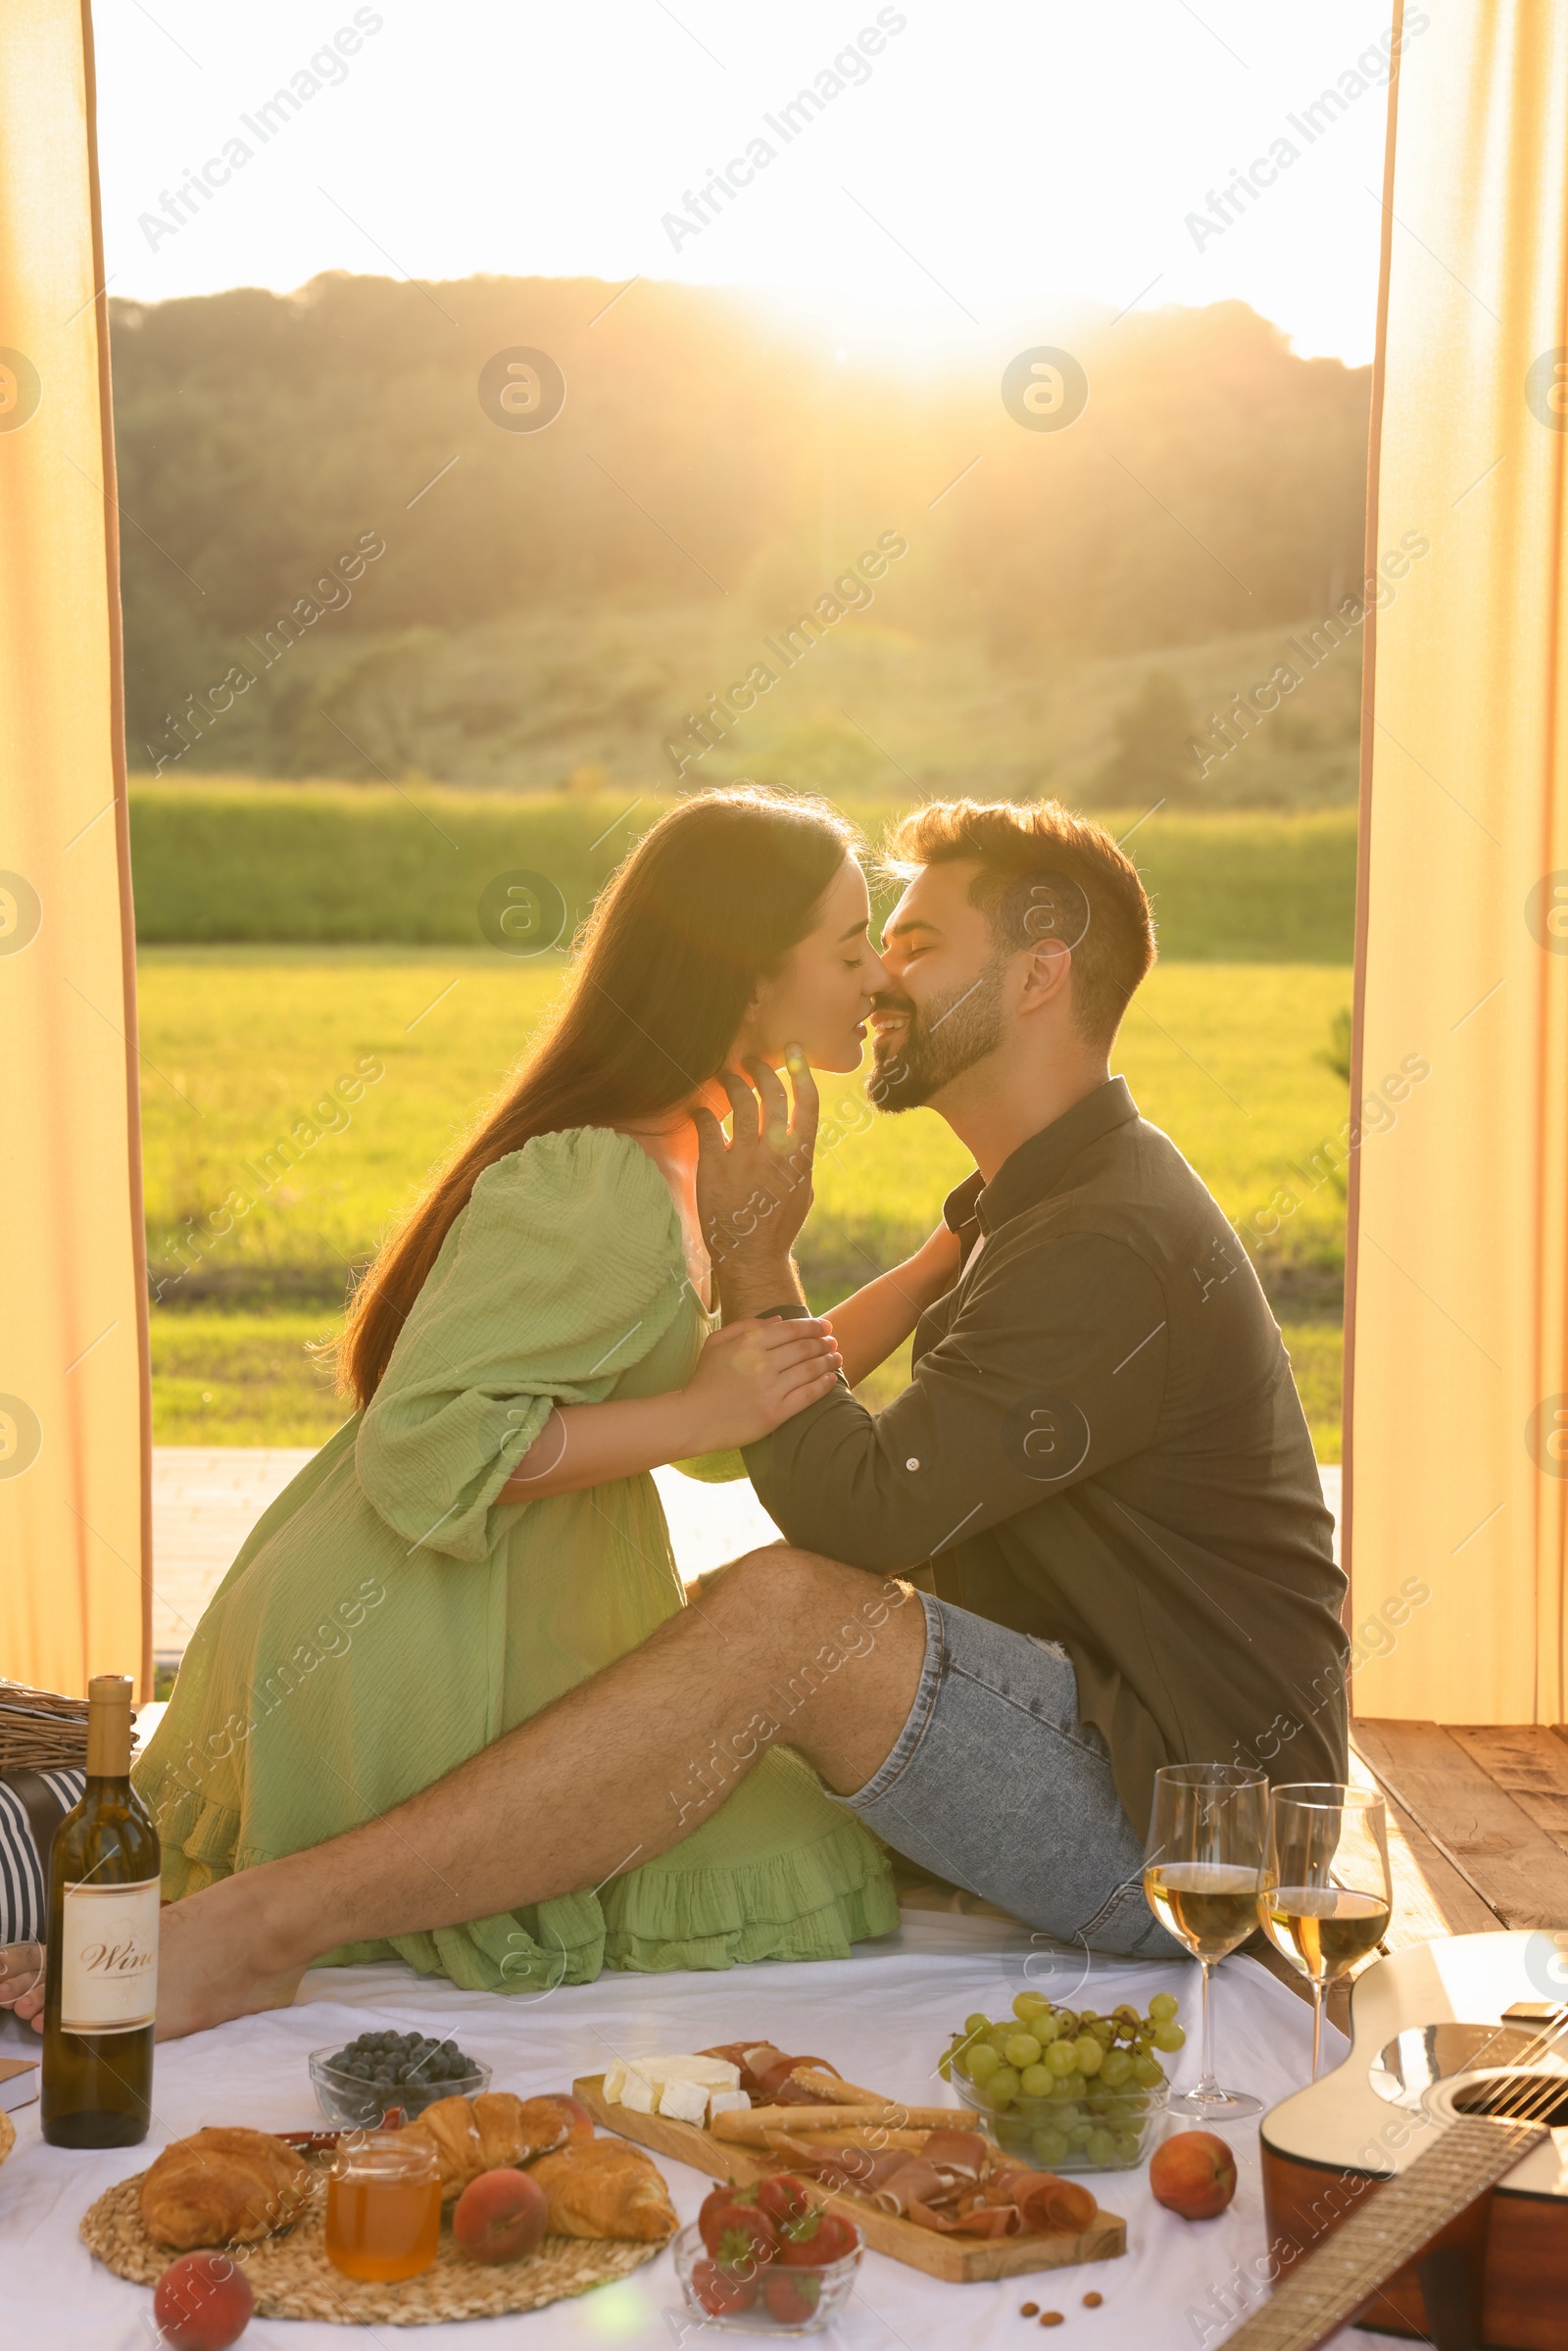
483,1533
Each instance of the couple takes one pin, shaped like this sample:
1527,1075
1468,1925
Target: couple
450,1704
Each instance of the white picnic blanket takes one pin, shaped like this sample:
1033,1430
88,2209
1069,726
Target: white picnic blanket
883,2017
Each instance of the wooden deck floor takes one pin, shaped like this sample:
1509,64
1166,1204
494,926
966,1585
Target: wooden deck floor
1478,1823
1477,1830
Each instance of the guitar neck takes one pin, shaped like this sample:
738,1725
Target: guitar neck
1323,2292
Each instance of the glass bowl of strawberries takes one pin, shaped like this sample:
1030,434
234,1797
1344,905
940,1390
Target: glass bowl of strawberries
768,2258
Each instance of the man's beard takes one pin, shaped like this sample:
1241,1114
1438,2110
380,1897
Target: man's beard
939,1043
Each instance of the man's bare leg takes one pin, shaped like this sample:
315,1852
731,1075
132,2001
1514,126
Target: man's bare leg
782,1648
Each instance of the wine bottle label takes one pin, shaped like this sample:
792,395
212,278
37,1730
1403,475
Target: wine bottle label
109,1955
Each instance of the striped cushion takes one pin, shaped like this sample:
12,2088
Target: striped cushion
24,1897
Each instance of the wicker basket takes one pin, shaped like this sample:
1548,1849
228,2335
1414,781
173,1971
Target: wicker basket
39,1729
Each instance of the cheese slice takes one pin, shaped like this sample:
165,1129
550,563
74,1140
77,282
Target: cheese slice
684,2101
654,2073
729,2101
717,2072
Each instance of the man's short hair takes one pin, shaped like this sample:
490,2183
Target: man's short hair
1046,873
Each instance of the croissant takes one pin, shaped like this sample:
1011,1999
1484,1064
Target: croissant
604,2187
223,2187
495,2132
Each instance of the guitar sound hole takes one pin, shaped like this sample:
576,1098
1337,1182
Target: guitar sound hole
1533,2097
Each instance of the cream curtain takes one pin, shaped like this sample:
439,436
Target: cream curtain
1457,1340
74,1415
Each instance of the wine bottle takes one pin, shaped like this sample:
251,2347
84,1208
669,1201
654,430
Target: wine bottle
101,1981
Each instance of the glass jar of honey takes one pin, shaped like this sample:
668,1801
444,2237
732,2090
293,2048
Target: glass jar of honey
383,2207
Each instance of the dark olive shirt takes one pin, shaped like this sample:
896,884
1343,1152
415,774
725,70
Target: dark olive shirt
1103,1445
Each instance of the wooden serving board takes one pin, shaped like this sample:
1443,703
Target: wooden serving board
959,2260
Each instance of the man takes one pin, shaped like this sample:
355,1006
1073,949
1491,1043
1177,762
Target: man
1101,1450
1101,1456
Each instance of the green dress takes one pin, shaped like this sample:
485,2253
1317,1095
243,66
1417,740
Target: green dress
388,1617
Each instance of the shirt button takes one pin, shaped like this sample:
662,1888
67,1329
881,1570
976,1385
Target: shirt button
911,1463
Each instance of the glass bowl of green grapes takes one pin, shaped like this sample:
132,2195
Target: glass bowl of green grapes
1066,2090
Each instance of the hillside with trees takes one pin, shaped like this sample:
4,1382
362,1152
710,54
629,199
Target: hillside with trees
340,556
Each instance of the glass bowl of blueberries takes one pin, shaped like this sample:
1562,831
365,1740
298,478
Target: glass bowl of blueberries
359,2086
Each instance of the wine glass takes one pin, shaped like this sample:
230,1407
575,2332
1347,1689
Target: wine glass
1202,1874
1327,1892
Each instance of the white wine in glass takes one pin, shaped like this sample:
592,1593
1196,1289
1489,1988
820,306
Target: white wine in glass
1327,1892
1203,1871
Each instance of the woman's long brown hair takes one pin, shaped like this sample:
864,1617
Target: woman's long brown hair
707,905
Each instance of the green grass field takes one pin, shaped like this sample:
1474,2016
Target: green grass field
335,864
266,1185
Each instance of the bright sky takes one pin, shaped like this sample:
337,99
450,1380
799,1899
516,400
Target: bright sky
990,168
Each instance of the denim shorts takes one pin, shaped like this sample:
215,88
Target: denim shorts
996,1784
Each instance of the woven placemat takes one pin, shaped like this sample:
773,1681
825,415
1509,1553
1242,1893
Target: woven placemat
291,2278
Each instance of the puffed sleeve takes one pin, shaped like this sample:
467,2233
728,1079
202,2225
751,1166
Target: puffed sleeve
562,1271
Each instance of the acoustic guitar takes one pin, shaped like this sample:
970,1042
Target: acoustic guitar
1420,2188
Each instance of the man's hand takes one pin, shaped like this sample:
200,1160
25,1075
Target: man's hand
754,1192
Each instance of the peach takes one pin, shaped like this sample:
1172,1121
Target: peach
201,2302
500,2216
1193,2174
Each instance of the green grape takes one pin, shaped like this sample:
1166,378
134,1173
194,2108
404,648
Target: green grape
945,2067
1100,2101
1101,2147
1066,2025
959,2055
1060,2058
1070,2087
1148,2072
1128,2018
1051,2146
1080,2133
1168,2037
1001,2088
1035,2082
1089,2052
1028,2005
1102,2030
1046,2030
1022,2050
1163,2006
1115,2068
984,2061
1127,2147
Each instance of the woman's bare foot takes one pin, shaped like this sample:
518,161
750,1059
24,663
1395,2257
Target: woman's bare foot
22,1981
219,1957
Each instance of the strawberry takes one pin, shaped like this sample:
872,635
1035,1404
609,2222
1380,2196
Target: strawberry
736,2212
818,2238
746,2243
784,2198
720,2294
791,2296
